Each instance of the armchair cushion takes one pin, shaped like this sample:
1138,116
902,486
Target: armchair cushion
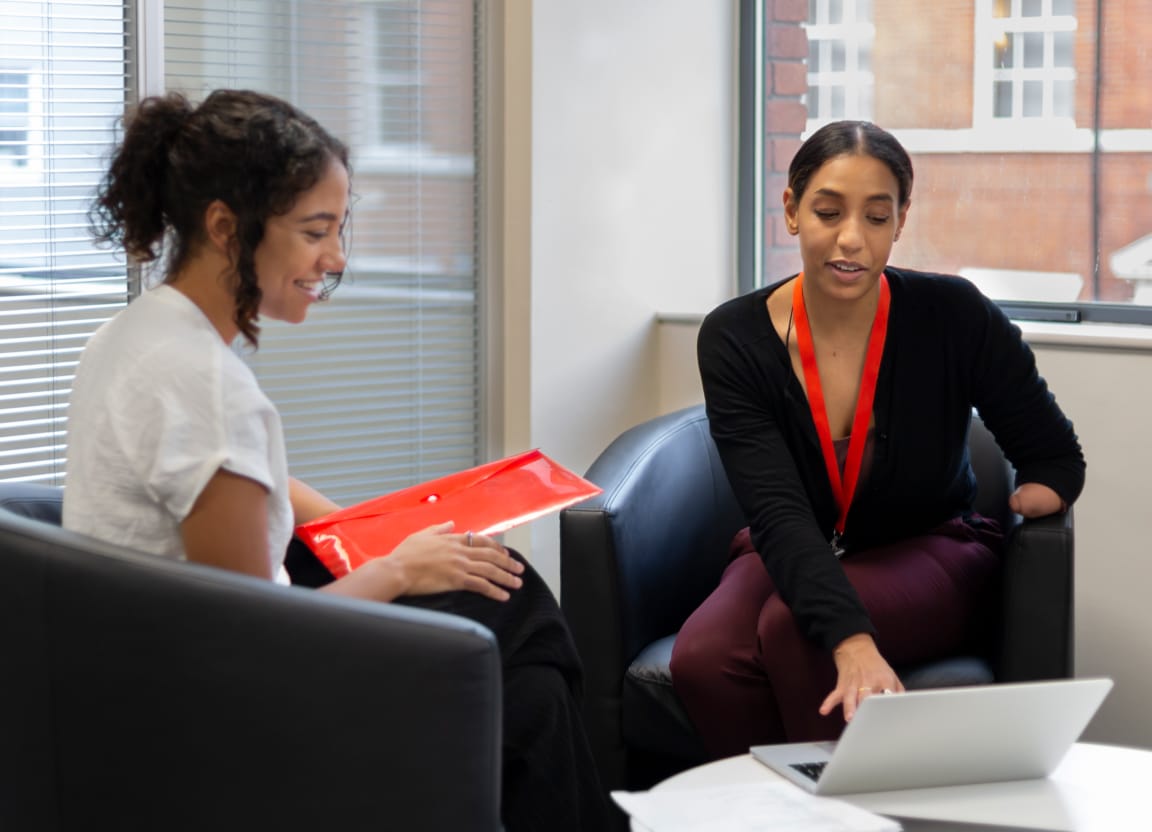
653,717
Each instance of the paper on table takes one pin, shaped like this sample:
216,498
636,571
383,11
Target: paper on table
747,807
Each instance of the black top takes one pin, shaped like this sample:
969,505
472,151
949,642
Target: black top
948,350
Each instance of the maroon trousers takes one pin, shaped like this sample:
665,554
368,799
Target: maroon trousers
747,675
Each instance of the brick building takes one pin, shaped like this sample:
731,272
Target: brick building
1031,165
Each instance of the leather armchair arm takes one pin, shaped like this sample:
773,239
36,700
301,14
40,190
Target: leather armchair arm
636,560
1038,600
142,693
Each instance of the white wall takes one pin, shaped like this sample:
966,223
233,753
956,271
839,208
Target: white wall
1105,390
632,157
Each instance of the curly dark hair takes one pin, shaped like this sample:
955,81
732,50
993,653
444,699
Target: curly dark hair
254,152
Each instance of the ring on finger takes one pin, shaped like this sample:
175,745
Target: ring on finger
468,539
864,689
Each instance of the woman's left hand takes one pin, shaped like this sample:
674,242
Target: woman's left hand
1035,500
861,672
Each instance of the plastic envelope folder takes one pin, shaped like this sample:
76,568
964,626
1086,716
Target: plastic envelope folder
487,499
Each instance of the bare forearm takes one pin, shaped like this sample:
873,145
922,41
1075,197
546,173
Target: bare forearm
381,579
307,502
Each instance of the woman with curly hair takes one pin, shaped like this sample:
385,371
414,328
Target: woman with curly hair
174,449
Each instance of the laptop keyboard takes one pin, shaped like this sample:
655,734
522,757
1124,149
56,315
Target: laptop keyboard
810,770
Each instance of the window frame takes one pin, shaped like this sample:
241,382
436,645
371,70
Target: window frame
377,80
985,76
32,126
857,84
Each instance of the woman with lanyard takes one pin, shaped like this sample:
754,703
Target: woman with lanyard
840,400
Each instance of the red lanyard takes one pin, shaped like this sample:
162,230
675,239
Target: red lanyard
842,489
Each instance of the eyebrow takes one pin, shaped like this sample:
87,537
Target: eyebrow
319,215
874,198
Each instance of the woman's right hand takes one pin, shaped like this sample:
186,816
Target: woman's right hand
861,671
435,560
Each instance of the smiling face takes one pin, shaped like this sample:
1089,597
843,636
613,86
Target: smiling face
299,248
847,219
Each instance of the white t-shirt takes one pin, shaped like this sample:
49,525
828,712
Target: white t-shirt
160,403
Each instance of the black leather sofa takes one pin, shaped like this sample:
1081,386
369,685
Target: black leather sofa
636,560
143,694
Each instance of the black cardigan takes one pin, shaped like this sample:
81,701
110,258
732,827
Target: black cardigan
948,349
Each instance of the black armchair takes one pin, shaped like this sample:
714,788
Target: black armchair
630,576
140,693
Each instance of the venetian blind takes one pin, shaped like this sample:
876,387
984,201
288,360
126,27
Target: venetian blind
62,86
378,389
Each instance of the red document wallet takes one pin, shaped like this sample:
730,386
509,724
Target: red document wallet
487,499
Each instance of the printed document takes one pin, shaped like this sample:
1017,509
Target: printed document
747,807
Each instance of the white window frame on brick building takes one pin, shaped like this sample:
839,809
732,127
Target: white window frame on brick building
392,85
393,95
1024,64
20,123
840,81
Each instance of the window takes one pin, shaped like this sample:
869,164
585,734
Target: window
1025,64
62,88
15,118
840,34
393,84
1029,123
380,388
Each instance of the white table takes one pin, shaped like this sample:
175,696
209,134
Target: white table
1096,788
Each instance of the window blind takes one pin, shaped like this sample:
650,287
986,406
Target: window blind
378,389
62,86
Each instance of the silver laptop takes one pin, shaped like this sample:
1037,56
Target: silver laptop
945,737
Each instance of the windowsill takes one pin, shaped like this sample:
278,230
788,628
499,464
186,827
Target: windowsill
1078,335
1088,335
1023,136
403,159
